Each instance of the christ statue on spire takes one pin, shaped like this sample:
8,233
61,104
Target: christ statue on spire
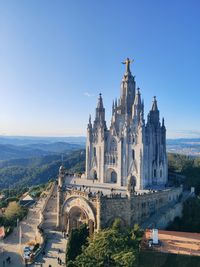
127,62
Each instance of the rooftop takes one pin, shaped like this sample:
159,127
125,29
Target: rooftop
177,242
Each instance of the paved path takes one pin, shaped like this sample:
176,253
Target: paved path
28,226
55,241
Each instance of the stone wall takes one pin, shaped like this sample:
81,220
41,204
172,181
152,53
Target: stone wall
166,217
114,207
139,208
157,207
143,206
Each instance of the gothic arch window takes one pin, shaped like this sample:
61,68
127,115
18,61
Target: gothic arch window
113,145
133,154
113,177
160,173
154,173
94,151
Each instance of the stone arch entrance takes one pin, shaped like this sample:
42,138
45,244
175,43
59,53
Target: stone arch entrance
77,211
77,217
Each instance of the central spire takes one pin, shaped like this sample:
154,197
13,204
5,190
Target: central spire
127,89
100,102
127,62
154,104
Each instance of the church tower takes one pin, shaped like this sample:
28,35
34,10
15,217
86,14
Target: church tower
130,149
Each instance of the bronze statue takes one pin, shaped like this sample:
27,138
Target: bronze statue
127,62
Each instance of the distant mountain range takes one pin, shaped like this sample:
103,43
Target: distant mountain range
26,161
29,140
8,151
185,146
27,147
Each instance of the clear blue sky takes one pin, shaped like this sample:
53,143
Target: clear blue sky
56,56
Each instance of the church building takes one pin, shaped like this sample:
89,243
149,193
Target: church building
130,149
126,169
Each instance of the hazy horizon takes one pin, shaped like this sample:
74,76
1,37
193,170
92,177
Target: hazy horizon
76,136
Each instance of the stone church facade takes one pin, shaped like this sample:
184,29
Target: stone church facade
130,147
126,169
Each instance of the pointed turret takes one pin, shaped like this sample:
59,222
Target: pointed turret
154,104
100,112
163,126
163,122
113,107
154,114
115,103
137,101
100,102
100,106
137,106
89,123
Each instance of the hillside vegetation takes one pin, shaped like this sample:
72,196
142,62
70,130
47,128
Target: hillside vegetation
114,246
32,171
190,168
187,166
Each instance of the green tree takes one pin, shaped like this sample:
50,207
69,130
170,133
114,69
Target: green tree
190,221
77,239
114,246
13,212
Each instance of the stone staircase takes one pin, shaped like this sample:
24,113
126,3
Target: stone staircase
50,212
